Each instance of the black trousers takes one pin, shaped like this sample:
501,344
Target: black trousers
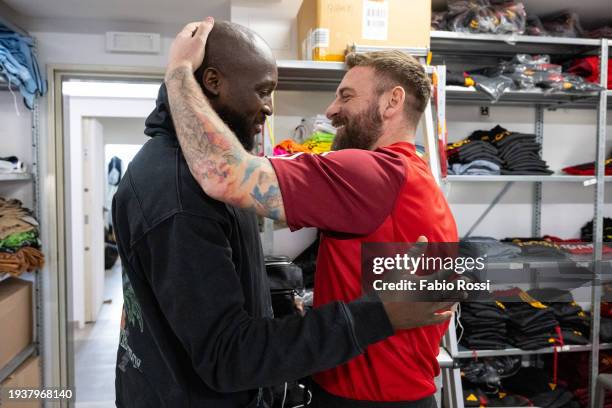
323,399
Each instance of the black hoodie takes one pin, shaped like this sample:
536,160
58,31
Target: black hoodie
197,328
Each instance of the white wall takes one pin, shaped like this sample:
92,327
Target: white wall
78,108
277,27
124,130
92,198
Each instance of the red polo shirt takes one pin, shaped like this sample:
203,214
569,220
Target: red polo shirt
356,196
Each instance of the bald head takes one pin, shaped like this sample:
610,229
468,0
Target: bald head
238,76
232,48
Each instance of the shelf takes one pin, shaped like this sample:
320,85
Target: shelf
444,358
4,276
463,94
453,43
15,177
298,75
16,362
520,352
553,178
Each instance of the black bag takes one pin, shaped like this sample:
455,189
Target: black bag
286,281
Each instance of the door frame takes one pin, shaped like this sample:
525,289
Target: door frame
56,342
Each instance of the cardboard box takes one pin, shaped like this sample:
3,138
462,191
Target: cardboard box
327,27
15,318
27,375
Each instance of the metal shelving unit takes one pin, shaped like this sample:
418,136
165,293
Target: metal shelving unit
550,100
459,46
467,44
297,75
17,361
570,348
553,178
15,177
32,177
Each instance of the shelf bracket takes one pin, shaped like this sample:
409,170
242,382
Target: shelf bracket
536,227
598,218
486,212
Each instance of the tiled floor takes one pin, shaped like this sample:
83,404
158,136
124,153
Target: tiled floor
96,349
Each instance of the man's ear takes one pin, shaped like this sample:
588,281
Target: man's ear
211,80
395,101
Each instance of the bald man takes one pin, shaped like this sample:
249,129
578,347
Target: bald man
197,327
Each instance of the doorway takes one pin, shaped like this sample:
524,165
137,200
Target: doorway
102,123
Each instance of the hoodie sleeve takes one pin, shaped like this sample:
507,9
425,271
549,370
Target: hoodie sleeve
200,295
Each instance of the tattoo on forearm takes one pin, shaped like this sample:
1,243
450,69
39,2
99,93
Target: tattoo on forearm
251,167
215,156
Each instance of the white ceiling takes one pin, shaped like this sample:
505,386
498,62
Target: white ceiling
148,11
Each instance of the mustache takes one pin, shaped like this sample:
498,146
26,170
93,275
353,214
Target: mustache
339,121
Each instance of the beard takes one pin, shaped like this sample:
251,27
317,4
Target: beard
360,131
242,128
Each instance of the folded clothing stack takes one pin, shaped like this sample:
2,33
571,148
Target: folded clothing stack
18,64
320,142
11,164
496,151
605,325
574,321
19,239
578,246
588,68
531,324
519,152
491,249
289,146
473,157
537,385
588,169
483,16
538,248
573,370
586,232
484,324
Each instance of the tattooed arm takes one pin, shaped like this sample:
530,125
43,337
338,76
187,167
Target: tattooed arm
217,160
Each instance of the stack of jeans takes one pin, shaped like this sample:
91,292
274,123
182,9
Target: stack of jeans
18,65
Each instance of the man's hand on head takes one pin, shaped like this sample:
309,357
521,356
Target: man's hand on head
215,156
187,49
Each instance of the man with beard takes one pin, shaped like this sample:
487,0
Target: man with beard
375,189
197,328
